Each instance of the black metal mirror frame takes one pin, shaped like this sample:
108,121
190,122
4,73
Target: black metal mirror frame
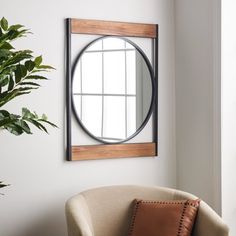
111,29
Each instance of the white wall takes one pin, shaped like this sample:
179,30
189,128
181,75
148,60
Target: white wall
41,180
229,113
198,98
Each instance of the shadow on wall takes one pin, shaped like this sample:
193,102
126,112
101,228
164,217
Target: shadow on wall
51,223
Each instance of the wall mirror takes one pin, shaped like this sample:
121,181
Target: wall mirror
111,89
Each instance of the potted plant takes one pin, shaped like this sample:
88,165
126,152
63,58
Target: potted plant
20,74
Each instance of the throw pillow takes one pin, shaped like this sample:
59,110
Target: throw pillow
163,218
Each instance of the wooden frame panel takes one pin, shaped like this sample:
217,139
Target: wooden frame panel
113,28
104,151
92,152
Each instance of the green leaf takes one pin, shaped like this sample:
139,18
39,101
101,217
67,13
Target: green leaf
23,32
36,115
25,112
26,51
7,45
25,126
44,117
15,27
26,88
18,74
29,65
4,81
5,121
12,34
14,129
38,60
4,37
50,123
22,93
29,83
11,84
4,53
4,24
2,77
37,124
4,113
3,96
14,117
46,67
36,77
15,124
23,70
38,71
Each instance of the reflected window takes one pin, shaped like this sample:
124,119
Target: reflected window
109,89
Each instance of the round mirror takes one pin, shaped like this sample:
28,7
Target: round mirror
112,89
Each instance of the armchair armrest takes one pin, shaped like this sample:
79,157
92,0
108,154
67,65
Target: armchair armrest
208,223
78,217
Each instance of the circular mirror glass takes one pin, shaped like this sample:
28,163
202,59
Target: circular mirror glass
112,89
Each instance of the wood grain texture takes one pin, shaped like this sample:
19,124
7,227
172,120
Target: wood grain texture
79,26
93,152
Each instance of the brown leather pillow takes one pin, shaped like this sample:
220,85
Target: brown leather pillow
163,218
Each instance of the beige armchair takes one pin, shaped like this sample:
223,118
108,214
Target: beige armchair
107,211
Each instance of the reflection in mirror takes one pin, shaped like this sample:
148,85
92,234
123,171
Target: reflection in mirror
112,89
